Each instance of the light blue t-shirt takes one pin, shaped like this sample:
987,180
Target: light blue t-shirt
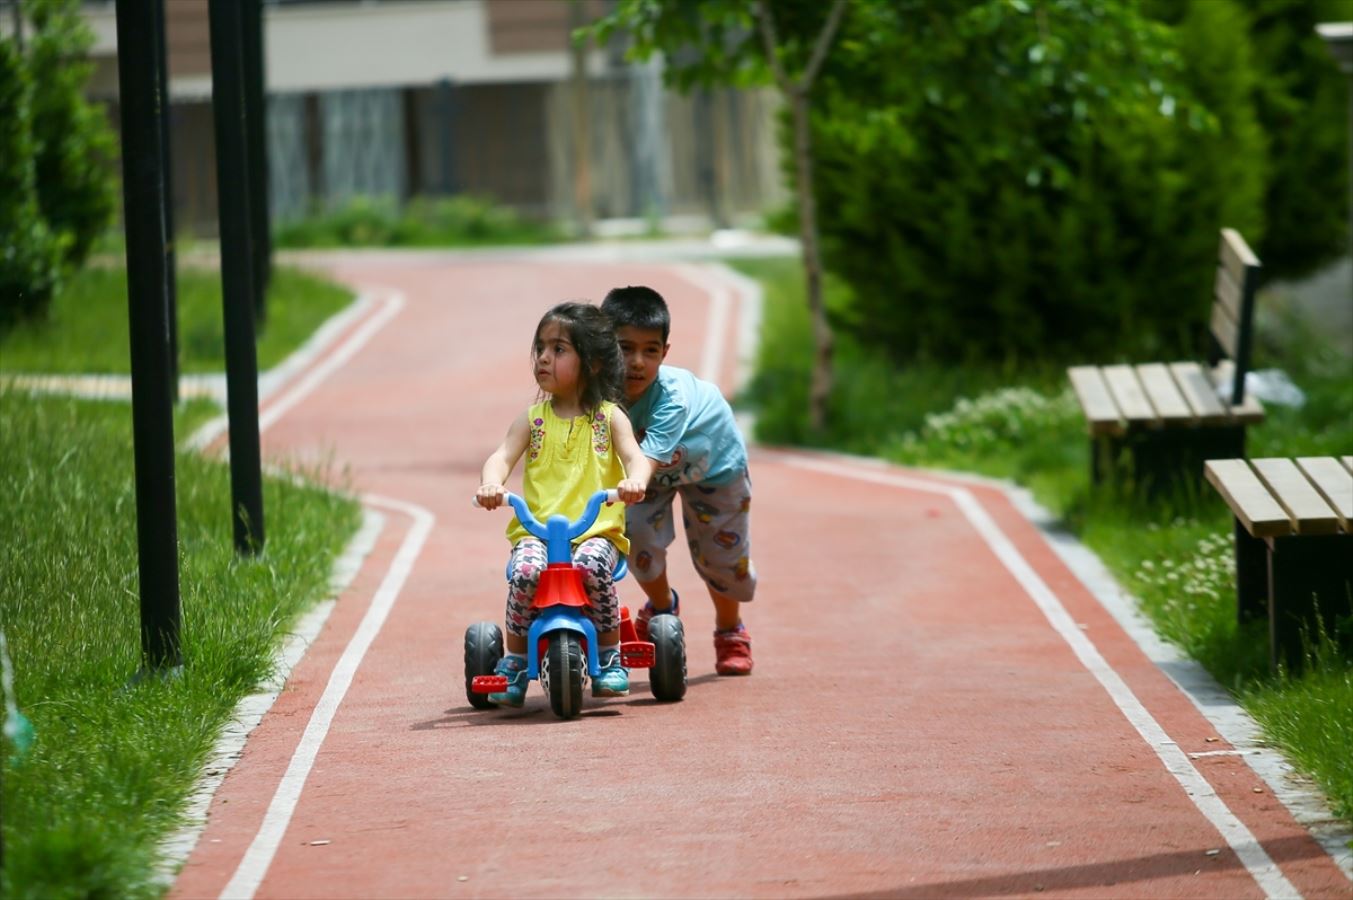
686,425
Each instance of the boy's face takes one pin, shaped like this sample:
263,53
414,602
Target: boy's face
643,351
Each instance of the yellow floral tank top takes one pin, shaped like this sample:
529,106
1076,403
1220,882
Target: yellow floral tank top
567,461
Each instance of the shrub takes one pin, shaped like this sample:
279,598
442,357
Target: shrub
994,422
422,222
1299,99
77,189
29,253
1031,181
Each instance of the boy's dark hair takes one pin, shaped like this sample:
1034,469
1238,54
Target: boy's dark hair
601,372
638,307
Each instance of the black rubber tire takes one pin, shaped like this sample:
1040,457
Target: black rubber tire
483,649
561,674
667,678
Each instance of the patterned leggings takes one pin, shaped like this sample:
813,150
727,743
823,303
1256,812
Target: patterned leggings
596,556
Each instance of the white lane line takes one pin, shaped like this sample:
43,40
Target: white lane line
751,299
390,305
252,868
1250,852
250,711
254,865
716,325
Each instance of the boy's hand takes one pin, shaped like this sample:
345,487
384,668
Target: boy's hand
631,490
490,496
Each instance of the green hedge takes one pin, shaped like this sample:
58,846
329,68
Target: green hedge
1003,181
462,220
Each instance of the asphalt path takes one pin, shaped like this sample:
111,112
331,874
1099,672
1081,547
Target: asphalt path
940,707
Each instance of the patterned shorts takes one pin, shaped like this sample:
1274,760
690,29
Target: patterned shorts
717,521
596,556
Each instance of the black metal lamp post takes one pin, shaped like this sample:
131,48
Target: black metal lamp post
233,181
142,99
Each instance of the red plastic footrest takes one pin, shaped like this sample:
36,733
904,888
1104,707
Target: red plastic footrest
636,654
488,684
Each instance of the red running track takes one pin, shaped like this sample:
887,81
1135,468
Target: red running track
940,707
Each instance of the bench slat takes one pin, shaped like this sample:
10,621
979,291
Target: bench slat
1198,391
1309,512
1164,395
1236,256
1249,500
1348,463
1250,412
1128,394
1334,482
1226,292
1225,330
1096,401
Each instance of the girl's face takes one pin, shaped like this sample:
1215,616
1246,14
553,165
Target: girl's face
556,361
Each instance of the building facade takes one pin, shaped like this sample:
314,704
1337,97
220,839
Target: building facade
405,98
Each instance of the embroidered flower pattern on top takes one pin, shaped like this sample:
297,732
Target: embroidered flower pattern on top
601,434
537,437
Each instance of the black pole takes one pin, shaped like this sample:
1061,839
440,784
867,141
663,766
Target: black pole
256,114
237,279
141,100
167,197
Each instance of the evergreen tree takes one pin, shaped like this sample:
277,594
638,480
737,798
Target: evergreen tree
74,142
1012,180
29,253
1300,101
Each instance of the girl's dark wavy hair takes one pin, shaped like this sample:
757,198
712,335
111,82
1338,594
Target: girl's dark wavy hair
601,371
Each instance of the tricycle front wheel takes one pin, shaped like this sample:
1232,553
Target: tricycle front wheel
483,649
561,674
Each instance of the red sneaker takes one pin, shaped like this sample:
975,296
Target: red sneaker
648,612
733,652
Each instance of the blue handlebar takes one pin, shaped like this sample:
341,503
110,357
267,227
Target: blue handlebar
558,532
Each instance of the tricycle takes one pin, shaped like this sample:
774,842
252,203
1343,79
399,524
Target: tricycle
561,643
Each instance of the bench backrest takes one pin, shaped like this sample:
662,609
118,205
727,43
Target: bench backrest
1232,322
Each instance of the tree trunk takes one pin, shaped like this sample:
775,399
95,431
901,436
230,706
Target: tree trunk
820,390
582,144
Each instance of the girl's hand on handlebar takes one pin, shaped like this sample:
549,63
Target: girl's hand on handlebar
631,490
490,496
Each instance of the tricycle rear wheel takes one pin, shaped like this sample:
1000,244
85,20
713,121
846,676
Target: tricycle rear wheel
667,678
483,649
562,674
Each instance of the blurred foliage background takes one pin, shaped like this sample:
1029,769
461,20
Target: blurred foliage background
1009,181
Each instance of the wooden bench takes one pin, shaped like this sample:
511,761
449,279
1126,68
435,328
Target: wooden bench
1171,417
1293,541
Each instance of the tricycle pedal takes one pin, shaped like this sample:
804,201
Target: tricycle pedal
637,654
489,684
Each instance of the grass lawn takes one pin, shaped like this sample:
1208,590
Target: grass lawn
86,331
105,781
1024,425
86,808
